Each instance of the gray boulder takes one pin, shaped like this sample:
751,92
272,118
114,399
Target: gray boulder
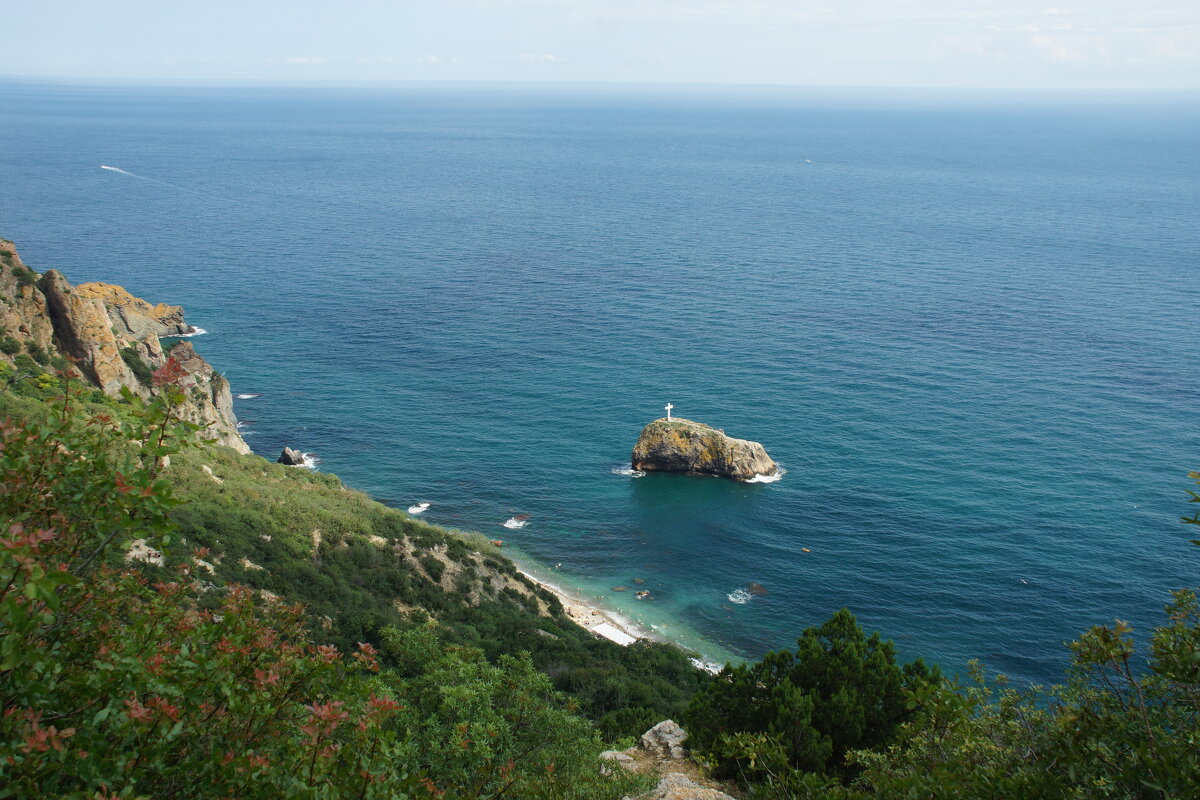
665,740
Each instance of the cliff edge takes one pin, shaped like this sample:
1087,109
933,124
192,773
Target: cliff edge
111,337
681,445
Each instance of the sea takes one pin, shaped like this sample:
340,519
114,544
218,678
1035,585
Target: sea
964,323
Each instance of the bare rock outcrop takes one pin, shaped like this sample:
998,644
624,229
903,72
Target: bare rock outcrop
133,315
677,786
112,338
665,740
211,401
85,333
681,445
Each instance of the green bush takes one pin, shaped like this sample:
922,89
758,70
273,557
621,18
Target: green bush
9,345
37,353
140,369
116,686
433,568
24,275
803,711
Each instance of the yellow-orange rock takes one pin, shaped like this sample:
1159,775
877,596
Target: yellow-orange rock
681,445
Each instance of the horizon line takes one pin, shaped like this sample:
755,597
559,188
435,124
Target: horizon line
318,83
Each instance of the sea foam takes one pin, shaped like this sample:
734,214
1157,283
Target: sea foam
739,596
310,461
628,471
778,476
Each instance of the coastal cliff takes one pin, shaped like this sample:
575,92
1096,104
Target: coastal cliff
110,336
681,445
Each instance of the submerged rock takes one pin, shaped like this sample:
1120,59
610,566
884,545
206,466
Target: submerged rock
681,445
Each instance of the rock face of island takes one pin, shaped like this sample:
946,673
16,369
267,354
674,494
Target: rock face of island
681,445
112,338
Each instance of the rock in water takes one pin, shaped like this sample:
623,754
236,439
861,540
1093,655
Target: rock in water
685,446
291,458
665,739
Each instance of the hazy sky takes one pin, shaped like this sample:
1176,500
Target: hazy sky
1001,43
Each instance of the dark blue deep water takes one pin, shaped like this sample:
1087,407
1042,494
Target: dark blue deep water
965,325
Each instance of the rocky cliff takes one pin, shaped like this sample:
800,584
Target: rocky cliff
112,338
681,445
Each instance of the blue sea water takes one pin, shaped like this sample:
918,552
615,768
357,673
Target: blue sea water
966,325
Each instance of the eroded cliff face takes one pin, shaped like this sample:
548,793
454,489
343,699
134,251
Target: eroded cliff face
112,337
682,445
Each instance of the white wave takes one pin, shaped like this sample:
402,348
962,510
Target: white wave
310,461
248,396
739,596
419,508
710,667
196,331
516,524
628,471
778,476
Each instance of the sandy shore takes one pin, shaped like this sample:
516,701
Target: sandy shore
605,622
599,621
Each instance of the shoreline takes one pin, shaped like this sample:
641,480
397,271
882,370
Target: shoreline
604,622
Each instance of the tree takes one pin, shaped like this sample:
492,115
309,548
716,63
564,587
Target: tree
803,711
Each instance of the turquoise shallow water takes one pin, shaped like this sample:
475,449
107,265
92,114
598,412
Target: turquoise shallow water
965,326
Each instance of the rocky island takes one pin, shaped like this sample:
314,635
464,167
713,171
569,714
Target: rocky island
681,445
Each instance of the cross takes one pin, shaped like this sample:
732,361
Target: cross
669,407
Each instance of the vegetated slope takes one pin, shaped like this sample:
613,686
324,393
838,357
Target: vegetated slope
357,565
125,681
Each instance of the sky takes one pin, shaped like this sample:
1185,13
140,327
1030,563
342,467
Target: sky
1055,44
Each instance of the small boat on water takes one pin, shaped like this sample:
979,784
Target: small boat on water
419,508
